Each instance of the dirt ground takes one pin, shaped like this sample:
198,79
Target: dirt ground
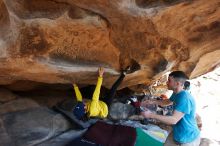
207,94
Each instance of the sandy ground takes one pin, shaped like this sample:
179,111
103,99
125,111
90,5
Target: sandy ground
206,90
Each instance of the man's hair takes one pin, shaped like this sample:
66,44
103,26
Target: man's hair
187,85
179,76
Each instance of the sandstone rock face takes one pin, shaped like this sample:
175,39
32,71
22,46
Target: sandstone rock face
65,41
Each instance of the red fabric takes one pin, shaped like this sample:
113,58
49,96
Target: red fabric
136,104
111,135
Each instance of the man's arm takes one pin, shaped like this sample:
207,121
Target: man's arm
170,120
163,103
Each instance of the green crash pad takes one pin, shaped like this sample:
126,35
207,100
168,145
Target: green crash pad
143,139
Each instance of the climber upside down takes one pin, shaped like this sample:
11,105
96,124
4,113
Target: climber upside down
96,107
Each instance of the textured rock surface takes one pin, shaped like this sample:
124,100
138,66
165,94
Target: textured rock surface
6,95
34,126
17,105
64,41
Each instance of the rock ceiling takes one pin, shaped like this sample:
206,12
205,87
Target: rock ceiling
65,41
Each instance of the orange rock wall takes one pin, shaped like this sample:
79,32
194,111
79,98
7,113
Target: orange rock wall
65,41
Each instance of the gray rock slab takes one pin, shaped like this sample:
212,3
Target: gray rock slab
64,138
17,105
6,95
32,126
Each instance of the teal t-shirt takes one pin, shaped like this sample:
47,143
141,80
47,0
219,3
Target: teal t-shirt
186,130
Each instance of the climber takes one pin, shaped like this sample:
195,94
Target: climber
95,107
